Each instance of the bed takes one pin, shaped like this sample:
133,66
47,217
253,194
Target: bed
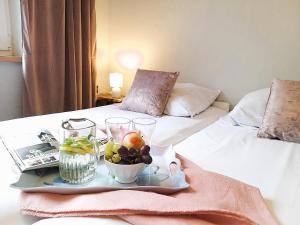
230,146
235,151
170,130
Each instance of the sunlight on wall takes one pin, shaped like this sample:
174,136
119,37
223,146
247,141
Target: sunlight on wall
129,59
102,35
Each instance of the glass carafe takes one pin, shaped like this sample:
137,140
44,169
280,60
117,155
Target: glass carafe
77,152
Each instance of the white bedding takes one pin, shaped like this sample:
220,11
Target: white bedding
271,165
170,130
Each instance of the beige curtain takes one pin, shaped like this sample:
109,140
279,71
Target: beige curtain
59,47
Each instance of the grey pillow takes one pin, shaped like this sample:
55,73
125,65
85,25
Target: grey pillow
149,92
282,116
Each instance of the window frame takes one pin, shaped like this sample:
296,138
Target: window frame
5,34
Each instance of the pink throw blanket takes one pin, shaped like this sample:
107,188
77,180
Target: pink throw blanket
211,199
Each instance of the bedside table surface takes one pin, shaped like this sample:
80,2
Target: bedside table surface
108,96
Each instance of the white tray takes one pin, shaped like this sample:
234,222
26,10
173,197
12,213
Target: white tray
156,178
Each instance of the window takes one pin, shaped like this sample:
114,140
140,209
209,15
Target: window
5,29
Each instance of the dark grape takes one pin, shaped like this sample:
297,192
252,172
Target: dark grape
145,150
125,157
132,152
123,151
138,160
134,156
131,161
147,159
124,162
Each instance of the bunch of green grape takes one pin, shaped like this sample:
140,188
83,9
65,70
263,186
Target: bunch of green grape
120,154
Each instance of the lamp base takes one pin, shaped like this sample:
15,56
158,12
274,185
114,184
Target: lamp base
116,92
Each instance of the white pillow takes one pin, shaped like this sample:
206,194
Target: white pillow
188,99
251,108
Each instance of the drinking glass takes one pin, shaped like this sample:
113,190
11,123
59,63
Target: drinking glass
116,128
77,152
146,126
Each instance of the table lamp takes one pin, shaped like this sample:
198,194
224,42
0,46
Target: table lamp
116,82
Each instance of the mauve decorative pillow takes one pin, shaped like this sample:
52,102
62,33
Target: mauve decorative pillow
282,117
149,92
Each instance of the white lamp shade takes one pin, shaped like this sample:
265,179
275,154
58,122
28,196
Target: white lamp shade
116,80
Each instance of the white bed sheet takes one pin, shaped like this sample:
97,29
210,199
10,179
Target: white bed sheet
271,165
170,130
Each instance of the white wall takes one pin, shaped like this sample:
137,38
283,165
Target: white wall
10,73
234,45
10,90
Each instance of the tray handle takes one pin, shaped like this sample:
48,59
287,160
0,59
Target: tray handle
174,167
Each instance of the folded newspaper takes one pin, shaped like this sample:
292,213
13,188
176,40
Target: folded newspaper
33,150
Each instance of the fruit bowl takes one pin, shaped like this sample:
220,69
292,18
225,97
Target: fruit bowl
125,160
125,174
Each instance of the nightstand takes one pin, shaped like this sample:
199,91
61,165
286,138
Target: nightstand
107,99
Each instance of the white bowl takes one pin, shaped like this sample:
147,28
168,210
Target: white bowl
125,174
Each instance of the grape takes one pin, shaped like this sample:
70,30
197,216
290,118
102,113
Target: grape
116,158
109,160
107,157
108,149
125,157
115,148
123,151
147,159
138,160
124,162
132,152
122,155
132,161
145,150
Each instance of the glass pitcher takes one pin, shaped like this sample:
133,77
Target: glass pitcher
77,152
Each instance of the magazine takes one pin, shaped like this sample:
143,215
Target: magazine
33,150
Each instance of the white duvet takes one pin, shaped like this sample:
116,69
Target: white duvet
169,130
271,165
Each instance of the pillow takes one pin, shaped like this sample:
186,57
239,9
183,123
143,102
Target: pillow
190,99
282,116
149,92
251,108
